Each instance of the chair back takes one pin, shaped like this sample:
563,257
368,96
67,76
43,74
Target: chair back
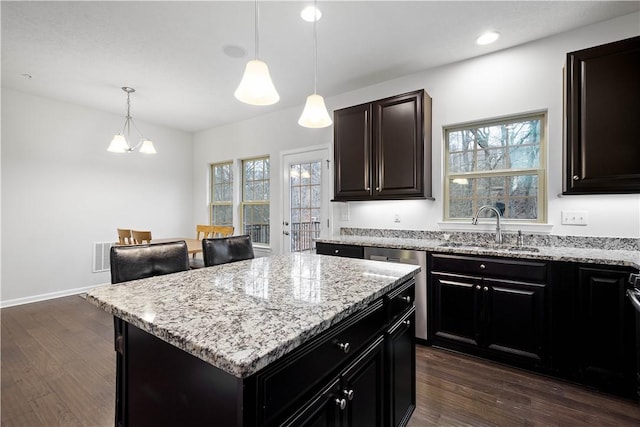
221,231
203,231
226,249
124,236
140,237
141,261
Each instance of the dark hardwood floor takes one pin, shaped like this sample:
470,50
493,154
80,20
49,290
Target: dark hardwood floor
58,369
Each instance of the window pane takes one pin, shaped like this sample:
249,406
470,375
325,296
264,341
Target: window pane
484,157
256,222
256,189
222,215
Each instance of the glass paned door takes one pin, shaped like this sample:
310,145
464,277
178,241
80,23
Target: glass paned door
306,200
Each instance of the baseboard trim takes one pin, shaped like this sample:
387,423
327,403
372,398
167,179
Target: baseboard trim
44,297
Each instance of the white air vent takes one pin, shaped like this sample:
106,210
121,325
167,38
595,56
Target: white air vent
101,253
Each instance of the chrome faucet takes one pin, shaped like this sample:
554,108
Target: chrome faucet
474,221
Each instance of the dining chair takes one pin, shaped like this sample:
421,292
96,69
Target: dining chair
140,237
203,231
124,236
223,250
141,261
221,231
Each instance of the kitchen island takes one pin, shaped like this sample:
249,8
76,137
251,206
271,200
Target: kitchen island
283,340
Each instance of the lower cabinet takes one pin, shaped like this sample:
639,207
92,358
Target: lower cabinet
401,369
606,329
354,398
483,315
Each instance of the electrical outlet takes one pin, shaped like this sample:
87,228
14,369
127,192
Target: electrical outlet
574,217
396,217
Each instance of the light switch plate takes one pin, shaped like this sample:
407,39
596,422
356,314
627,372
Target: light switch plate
575,217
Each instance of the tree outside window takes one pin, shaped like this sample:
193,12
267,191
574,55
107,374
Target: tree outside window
222,194
255,199
498,163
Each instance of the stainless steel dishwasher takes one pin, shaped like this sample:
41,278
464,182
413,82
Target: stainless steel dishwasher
408,257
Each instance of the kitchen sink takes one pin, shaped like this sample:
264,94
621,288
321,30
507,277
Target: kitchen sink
494,246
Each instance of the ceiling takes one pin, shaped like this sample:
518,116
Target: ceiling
185,58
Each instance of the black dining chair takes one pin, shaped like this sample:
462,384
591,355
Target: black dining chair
154,259
226,249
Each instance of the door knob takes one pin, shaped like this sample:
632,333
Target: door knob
341,403
285,232
344,346
348,394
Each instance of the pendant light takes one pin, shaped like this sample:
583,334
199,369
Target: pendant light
119,143
256,87
314,114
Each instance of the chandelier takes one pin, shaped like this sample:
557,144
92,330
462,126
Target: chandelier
119,143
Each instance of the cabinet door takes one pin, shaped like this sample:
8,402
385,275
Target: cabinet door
324,410
352,152
456,306
602,102
399,146
606,328
401,370
513,319
363,388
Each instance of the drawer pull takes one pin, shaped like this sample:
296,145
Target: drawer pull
348,394
341,403
344,346
336,251
406,299
478,287
407,323
486,288
482,267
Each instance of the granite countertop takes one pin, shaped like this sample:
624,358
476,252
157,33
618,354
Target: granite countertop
629,258
242,316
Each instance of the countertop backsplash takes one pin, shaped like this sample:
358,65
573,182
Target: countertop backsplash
607,243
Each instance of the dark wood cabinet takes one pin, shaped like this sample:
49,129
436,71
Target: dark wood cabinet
382,149
607,330
336,249
401,369
478,307
602,111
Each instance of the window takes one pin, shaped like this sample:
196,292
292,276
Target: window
498,163
255,199
222,194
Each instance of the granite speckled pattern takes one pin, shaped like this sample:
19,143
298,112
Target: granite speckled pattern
240,317
608,252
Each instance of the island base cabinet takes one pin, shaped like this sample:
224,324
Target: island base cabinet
401,370
355,398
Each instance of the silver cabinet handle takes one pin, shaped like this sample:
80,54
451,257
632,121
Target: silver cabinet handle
407,323
406,299
348,394
478,287
482,267
341,403
576,178
336,251
486,288
344,346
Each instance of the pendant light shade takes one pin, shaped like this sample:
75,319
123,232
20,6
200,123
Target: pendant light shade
256,87
119,143
315,113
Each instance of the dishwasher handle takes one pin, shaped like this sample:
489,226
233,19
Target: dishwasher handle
633,297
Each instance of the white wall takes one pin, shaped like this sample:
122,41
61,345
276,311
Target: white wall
62,191
521,79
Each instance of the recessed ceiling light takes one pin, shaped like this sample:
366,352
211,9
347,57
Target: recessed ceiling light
311,13
488,37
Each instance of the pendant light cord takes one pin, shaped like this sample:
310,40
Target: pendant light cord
315,48
256,21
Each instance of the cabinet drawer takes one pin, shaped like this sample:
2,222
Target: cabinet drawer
401,300
528,271
348,251
298,373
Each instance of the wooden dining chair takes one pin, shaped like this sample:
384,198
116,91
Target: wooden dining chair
221,231
140,237
203,231
124,236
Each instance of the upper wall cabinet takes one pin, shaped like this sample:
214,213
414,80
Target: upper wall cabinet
383,149
602,150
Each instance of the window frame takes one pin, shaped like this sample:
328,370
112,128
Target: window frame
244,203
212,183
540,172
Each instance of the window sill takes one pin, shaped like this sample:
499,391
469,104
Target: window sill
489,226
